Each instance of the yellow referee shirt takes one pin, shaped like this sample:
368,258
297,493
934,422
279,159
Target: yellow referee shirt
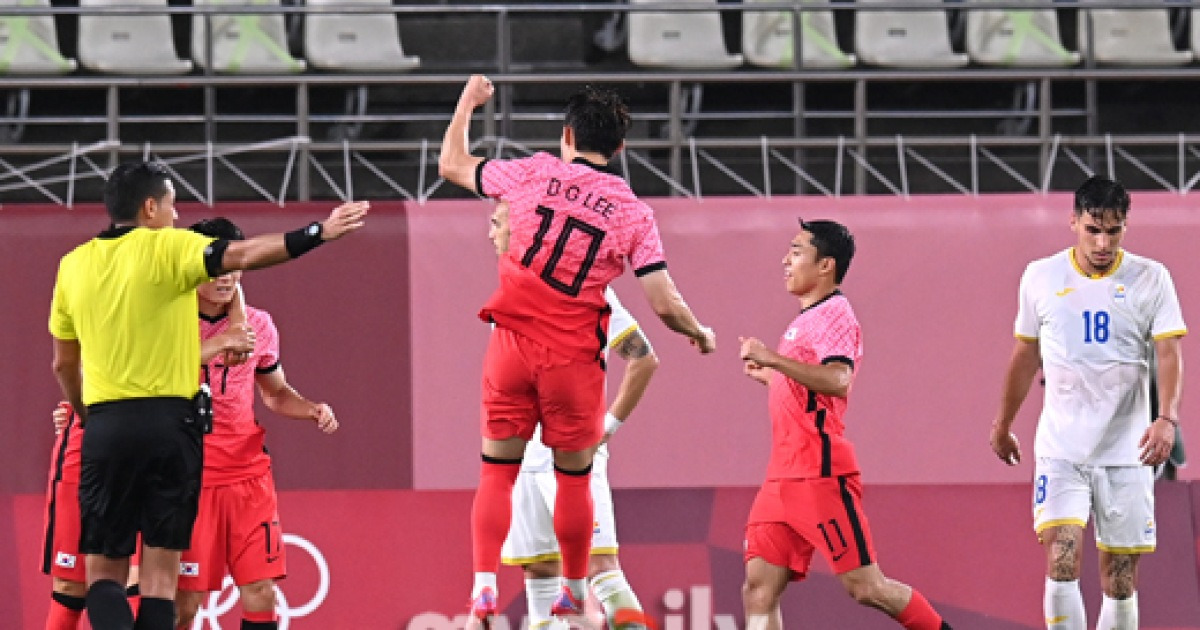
129,297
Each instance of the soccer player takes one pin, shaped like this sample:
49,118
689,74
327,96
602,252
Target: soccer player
61,558
237,525
127,358
531,543
1090,318
811,500
574,227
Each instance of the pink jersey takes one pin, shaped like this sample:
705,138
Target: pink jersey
808,429
235,451
574,226
65,460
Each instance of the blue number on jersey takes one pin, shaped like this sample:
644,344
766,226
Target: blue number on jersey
1095,327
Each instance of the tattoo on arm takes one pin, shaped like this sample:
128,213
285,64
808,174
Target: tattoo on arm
633,346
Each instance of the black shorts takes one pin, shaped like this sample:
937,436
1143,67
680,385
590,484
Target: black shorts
142,465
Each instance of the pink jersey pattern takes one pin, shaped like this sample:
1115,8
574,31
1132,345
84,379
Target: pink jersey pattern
65,460
574,227
235,451
807,428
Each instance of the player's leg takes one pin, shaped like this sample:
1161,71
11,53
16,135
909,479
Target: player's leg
1124,530
532,546
187,605
202,566
607,580
256,555
765,583
62,560
571,397
510,414
1062,499
833,522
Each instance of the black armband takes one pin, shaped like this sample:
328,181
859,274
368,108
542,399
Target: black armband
304,240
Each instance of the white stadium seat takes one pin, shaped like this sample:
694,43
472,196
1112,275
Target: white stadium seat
129,44
904,39
1005,37
355,42
679,39
29,44
767,39
1131,37
242,42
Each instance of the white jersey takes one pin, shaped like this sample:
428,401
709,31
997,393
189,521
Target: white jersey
538,456
1096,337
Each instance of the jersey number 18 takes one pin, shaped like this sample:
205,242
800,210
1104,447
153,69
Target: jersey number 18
1095,327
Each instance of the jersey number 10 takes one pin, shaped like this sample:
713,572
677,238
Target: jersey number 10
594,235
1095,327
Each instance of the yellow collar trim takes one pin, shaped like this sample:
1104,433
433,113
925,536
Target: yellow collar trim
1096,276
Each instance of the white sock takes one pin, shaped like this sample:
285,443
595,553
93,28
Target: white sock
578,588
1118,614
614,593
482,581
540,594
1063,605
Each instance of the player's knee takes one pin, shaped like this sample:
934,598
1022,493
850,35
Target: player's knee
602,563
258,596
542,570
868,592
758,597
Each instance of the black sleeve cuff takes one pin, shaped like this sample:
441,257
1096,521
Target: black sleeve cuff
838,359
214,255
267,370
479,178
651,268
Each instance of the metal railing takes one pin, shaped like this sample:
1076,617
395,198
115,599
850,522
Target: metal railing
787,156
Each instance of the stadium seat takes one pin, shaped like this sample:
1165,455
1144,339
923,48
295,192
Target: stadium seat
129,44
29,44
1132,37
767,39
1004,37
356,42
904,39
243,42
692,40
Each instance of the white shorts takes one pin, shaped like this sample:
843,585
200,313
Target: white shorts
1120,497
531,536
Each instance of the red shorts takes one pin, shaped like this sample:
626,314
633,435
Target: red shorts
525,383
237,528
60,556
791,518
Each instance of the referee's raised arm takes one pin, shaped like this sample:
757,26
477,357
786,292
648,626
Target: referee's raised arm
271,249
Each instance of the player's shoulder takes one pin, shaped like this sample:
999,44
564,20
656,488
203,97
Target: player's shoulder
258,318
1140,263
1052,263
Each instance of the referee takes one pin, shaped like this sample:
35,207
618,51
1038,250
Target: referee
127,356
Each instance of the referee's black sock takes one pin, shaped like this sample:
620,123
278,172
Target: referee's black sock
155,613
107,607
259,625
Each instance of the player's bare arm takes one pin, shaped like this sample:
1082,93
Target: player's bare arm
237,317
757,372
67,366
282,399
1022,367
61,416
833,378
668,304
456,163
1159,438
272,249
236,341
642,363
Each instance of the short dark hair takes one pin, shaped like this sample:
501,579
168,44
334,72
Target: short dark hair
832,240
599,119
1099,196
218,227
130,185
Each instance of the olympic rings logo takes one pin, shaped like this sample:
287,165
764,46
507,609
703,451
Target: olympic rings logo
223,601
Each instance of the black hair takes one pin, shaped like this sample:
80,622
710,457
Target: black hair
832,240
1099,196
218,227
599,119
130,185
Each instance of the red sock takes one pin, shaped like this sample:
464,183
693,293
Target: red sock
918,614
259,620
573,521
491,513
65,612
